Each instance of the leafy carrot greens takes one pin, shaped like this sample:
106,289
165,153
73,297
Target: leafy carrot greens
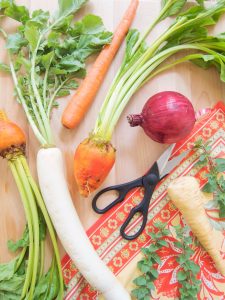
46,54
11,280
4,67
22,243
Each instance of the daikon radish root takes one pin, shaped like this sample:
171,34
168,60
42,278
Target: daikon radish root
69,228
186,195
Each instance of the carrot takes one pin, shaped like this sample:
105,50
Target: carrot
82,99
92,162
188,198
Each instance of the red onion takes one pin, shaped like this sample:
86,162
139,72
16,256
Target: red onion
167,117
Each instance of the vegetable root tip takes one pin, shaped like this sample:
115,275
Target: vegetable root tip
68,123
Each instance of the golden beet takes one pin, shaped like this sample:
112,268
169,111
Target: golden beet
93,161
12,137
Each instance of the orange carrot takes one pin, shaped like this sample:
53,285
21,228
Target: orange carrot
12,138
88,89
92,162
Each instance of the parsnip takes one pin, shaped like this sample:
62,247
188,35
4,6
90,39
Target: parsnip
69,228
188,198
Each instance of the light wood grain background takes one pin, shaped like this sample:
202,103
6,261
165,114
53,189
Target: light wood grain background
135,151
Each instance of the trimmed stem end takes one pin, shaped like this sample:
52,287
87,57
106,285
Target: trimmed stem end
135,120
13,152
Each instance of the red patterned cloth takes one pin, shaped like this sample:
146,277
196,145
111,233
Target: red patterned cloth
117,253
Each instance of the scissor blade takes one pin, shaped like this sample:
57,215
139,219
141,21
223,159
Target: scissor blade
164,158
166,166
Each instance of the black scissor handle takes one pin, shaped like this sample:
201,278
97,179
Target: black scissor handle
112,204
121,189
150,183
133,212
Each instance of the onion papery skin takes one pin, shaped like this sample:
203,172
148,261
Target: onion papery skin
166,118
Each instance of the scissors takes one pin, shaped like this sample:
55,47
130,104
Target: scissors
149,181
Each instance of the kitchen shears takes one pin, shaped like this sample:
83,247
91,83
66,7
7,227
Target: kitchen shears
149,181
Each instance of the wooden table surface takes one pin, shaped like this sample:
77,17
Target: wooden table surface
135,151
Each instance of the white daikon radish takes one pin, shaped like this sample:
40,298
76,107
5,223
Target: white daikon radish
69,228
185,193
